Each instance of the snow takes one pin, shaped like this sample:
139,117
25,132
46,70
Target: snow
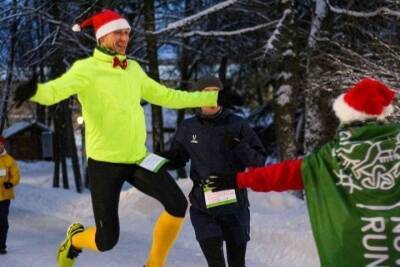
284,94
288,53
227,33
40,214
19,126
189,20
169,72
274,37
320,13
285,75
358,14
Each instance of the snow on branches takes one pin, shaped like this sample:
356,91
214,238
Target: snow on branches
228,33
269,47
320,13
378,12
183,22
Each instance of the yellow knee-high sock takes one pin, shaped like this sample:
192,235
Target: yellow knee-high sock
165,232
85,239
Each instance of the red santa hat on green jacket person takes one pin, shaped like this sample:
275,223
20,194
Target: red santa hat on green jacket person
368,99
103,23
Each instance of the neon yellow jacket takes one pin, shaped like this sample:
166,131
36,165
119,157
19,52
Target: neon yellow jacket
8,173
110,98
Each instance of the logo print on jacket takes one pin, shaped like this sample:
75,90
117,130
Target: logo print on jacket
368,164
194,139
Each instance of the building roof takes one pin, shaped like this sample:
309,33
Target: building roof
22,125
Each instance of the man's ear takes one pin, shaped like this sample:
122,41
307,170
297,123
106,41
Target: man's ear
100,41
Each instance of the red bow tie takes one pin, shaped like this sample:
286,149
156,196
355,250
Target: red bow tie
123,64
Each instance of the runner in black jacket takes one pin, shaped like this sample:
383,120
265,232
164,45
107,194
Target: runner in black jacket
217,141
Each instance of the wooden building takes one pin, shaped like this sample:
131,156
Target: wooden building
29,140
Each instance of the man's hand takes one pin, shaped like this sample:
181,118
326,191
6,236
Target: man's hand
25,90
8,185
231,141
222,181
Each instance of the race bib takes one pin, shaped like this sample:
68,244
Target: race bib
214,199
3,172
153,162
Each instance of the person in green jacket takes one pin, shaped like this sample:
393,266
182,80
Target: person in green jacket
110,87
352,182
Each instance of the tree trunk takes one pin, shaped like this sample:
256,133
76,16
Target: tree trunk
57,68
72,148
60,149
64,144
285,68
156,111
40,109
314,124
222,69
10,66
84,161
56,157
184,83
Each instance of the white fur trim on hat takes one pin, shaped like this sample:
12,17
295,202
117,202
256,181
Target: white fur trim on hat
346,113
114,25
76,28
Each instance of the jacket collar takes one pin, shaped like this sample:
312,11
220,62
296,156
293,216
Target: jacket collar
220,115
102,56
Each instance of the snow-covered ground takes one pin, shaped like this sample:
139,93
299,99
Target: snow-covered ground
280,229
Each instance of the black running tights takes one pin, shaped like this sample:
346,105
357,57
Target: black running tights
105,181
213,251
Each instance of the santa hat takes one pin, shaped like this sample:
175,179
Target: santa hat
2,140
366,100
103,23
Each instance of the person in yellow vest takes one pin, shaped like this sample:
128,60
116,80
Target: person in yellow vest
110,87
9,178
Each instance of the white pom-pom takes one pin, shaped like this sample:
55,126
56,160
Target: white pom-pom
76,28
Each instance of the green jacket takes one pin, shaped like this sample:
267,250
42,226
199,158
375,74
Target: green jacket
353,195
110,98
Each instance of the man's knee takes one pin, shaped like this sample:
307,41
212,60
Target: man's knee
106,241
178,206
182,206
173,199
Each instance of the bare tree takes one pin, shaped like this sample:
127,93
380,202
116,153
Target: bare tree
284,64
10,66
152,56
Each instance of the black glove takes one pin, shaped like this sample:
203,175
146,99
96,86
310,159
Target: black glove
25,90
225,98
222,181
169,165
8,185
231,141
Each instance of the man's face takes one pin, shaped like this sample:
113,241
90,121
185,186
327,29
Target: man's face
210,110
116,41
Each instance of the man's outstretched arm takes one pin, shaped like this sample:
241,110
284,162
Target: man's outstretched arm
276,177
161,95
49,93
